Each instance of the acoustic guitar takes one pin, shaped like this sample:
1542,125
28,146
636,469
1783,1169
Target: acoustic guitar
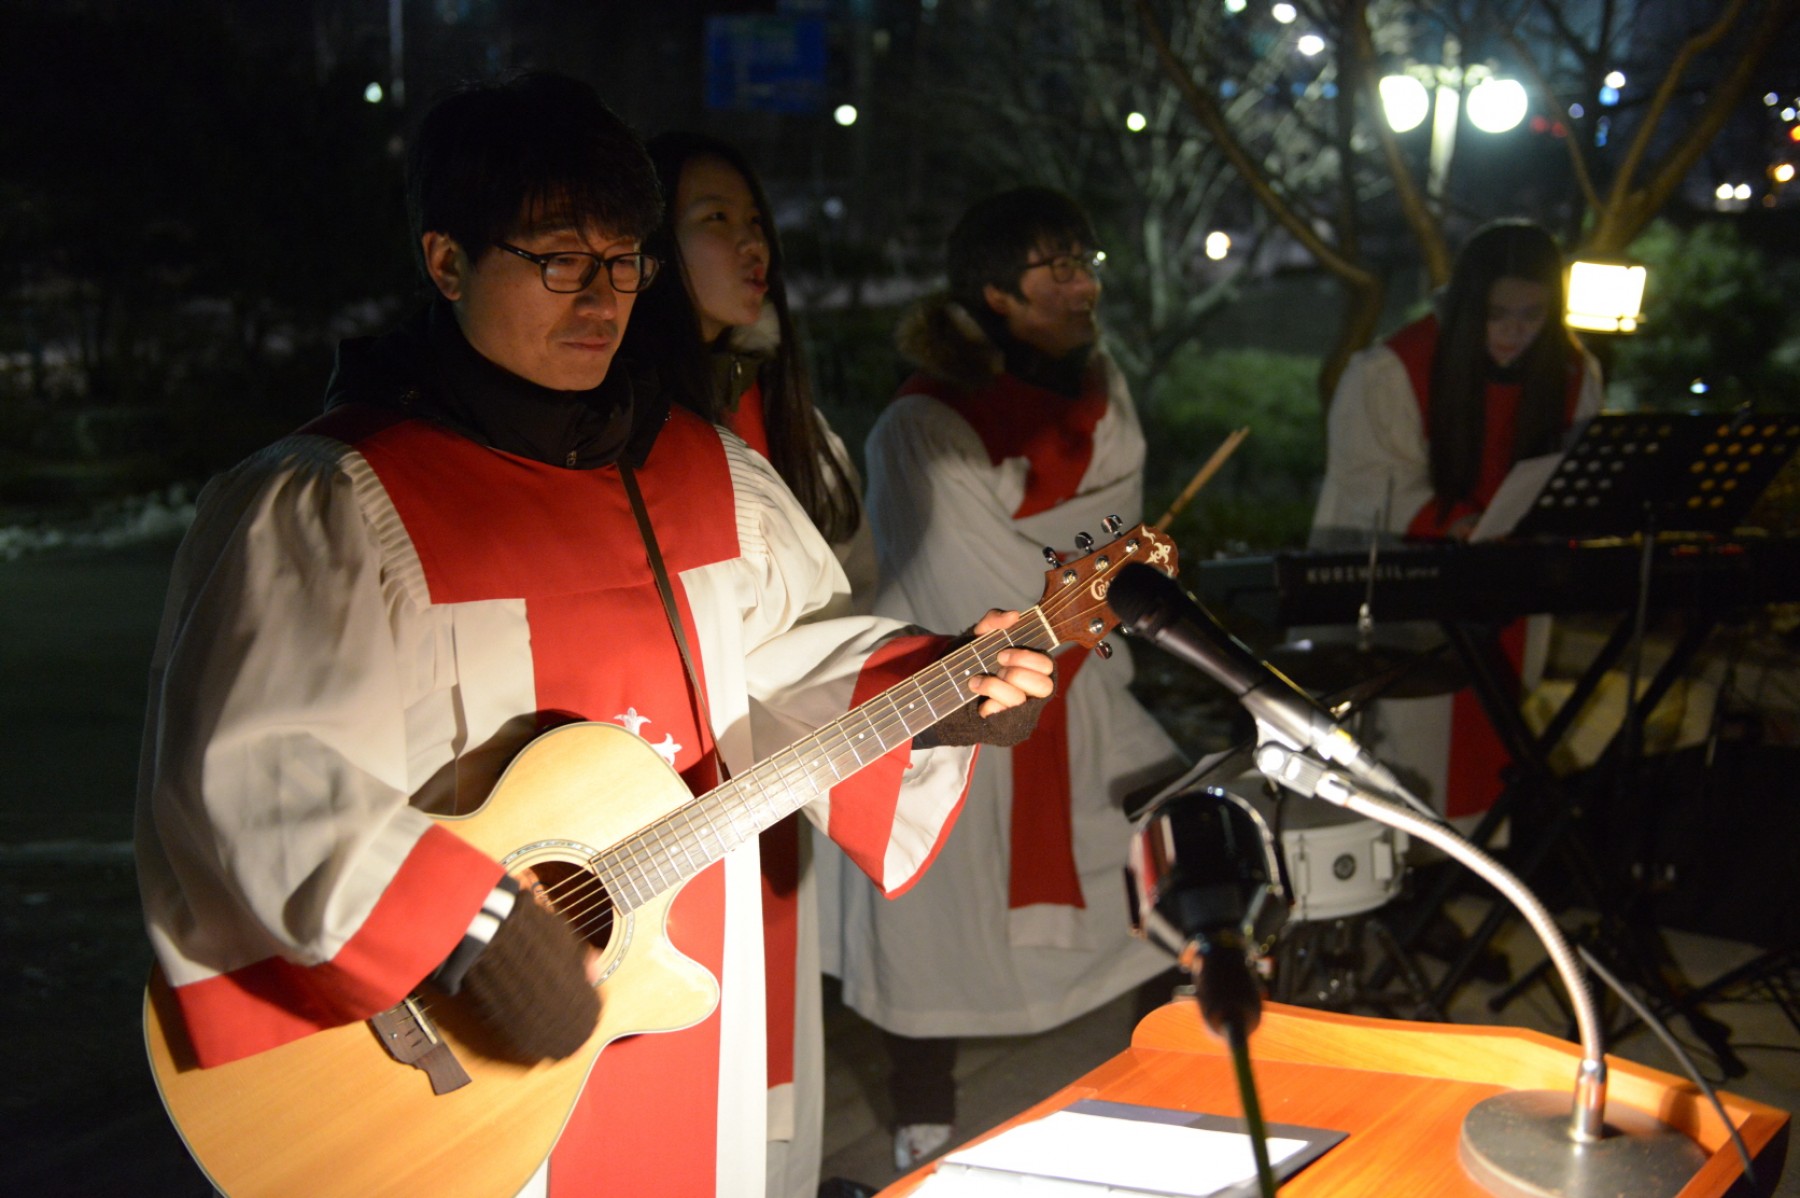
408,1102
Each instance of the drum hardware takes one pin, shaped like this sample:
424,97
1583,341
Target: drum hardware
1340,872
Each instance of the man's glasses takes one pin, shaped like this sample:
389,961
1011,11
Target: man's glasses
1063,267
572,270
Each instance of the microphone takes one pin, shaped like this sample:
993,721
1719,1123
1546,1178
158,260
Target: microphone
1152,605
1202,883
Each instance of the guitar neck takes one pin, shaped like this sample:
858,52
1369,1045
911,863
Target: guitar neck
687,840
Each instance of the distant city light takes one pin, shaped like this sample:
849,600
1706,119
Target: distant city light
1285,13
1576,112
845,115
1235,6
1405,102
1771,99
1496,105
1310,44
1787,114
1609,95
1698,387
372,93
1614,79
1218,244
1722,191
1135,122
1794,133
833,207
1741,191
1783,172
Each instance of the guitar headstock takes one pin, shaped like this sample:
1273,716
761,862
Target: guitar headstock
1074,602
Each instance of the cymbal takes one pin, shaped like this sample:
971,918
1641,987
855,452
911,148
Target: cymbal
1345,673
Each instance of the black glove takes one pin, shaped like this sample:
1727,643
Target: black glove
529,987
967,726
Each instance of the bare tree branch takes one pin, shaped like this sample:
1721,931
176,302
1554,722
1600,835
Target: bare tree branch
1665,91
1584,178
1413,206
1626,212
1206,111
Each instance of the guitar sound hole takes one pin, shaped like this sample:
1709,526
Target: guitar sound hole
575,892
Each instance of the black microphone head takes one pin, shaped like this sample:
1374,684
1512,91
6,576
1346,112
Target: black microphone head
1143,597
1201,866
1203,884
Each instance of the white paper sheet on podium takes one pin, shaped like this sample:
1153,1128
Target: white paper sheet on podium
1110,1148
1517,492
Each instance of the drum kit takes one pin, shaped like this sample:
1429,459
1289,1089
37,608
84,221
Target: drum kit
1340,869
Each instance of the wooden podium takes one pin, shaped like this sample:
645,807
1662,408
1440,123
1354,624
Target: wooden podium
1400,1090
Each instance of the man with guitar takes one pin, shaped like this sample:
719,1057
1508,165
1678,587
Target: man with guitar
494,534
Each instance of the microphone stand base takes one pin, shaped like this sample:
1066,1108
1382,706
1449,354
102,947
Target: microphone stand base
1519,1144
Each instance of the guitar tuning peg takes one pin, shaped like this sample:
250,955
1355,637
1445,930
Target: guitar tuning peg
1052,556
1103,649
1112,525
1084,542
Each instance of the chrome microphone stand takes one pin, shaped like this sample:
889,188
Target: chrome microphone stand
1525,1142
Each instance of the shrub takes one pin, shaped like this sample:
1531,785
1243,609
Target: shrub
1263,497
1717,311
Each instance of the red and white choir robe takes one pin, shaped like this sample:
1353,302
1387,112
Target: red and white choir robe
368,620
1020,925
1377,439
791,883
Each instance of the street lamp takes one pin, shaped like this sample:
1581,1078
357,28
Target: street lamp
1495,105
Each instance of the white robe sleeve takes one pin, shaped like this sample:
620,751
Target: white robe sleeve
804,658
856,553
947,544
1377,463
274,803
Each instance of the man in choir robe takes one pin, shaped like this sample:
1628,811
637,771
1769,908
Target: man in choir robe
1016,432
370,617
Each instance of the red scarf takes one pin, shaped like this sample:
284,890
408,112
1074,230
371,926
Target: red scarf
1055,435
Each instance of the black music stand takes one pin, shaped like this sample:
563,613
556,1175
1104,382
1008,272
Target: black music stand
1641,475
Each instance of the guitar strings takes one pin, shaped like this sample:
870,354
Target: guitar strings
575,897
564,895
589,903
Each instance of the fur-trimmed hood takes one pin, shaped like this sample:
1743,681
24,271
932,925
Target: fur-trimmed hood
940,337
738,360
944,339
758,340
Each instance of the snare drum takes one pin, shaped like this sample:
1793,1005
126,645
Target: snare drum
1338,864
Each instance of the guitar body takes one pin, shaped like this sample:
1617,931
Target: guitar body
333,1115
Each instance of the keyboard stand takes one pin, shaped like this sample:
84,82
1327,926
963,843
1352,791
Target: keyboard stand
1545,811
1632,473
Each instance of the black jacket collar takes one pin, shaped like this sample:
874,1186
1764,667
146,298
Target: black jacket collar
428,368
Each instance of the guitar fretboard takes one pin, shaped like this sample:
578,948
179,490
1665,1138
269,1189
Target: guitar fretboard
686,841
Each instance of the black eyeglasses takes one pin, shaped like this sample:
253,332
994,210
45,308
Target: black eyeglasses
568,271
1063,267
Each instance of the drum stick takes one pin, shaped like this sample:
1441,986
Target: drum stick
1225,450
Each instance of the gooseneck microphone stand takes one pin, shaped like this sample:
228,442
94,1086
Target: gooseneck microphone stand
1527,1142
1204,886
1231,1006
1237,1037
